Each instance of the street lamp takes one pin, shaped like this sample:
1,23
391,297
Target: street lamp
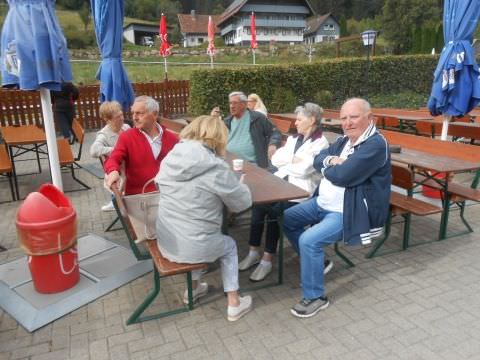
368,38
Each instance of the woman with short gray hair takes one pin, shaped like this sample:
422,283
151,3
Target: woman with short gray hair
294,162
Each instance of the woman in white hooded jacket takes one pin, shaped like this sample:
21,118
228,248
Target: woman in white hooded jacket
195,184
294,162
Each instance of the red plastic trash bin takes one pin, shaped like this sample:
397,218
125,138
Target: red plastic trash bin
47,230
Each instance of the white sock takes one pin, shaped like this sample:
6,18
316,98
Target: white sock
253,253
265,263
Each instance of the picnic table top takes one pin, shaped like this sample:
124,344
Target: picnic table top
266,187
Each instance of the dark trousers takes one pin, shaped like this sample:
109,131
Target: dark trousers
65,119
268,214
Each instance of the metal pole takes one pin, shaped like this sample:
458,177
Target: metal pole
253,52
49,127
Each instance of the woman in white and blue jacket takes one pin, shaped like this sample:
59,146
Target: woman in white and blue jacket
352,202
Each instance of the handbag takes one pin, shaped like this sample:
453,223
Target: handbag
142,212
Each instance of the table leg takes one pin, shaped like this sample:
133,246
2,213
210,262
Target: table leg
38,159
14,171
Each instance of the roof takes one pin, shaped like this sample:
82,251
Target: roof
314,22
196,24
238,4
136,24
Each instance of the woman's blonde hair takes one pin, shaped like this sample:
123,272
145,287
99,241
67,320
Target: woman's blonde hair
209,130
259,105
108,109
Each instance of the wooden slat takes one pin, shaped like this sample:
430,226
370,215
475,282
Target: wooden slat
412,205
5,163
166,267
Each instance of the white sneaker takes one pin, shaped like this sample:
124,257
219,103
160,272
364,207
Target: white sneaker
261,272
201,290
248,262
108,207
236,312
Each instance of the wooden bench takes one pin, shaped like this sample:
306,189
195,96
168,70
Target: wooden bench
6,168
65,154
458,195
172,125
403,205
162,267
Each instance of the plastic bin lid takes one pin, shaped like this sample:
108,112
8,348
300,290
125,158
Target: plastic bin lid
48,204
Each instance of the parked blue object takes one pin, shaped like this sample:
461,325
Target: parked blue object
33,49
456,84
114,83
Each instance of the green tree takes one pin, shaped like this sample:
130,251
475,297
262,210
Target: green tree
417,40
72,4
400,16
439,42
85,15
343,26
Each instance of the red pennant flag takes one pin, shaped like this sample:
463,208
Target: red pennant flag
164,45
211,37
253,30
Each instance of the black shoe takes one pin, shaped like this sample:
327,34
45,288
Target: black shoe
309,307
327,266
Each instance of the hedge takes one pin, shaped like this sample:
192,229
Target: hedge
328,82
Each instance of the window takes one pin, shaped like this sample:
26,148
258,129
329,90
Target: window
328,27
200,40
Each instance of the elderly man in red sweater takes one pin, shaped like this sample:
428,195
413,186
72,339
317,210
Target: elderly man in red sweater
141,149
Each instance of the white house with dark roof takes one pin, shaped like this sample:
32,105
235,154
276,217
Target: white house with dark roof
194,28
279,21
321,28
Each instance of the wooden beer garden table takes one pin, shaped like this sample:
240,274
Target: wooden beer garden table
267,188
428,158
20,137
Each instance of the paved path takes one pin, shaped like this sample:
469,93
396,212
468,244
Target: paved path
423,303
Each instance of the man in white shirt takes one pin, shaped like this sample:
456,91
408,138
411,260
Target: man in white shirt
352,202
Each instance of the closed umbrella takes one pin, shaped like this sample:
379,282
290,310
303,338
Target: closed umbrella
114,83
35,56
211,40
456,84
253,31
164,44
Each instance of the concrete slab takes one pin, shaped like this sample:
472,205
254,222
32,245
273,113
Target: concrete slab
104,266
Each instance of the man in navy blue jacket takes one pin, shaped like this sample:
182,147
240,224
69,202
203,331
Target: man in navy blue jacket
352,202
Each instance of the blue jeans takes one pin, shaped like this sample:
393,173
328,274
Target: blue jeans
326,228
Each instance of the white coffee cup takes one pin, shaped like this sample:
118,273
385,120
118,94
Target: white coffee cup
237,164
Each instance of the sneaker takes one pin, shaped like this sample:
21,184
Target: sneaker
236,312
327,266
261,272
108,207
201,290
309,307
248,262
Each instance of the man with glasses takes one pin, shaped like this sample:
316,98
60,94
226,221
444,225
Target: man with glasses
251,135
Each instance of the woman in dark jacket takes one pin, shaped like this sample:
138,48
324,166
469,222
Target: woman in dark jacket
63,107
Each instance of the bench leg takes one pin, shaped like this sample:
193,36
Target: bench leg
378,244
112,224
136,316
461,205
343,256
406,230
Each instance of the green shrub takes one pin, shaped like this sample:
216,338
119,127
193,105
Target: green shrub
343,78
79,39
283,100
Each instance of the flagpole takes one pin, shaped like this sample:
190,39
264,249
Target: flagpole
166,68
253,52
211,61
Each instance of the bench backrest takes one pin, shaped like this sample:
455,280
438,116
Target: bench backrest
433,146
402,177
282,125
172,125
